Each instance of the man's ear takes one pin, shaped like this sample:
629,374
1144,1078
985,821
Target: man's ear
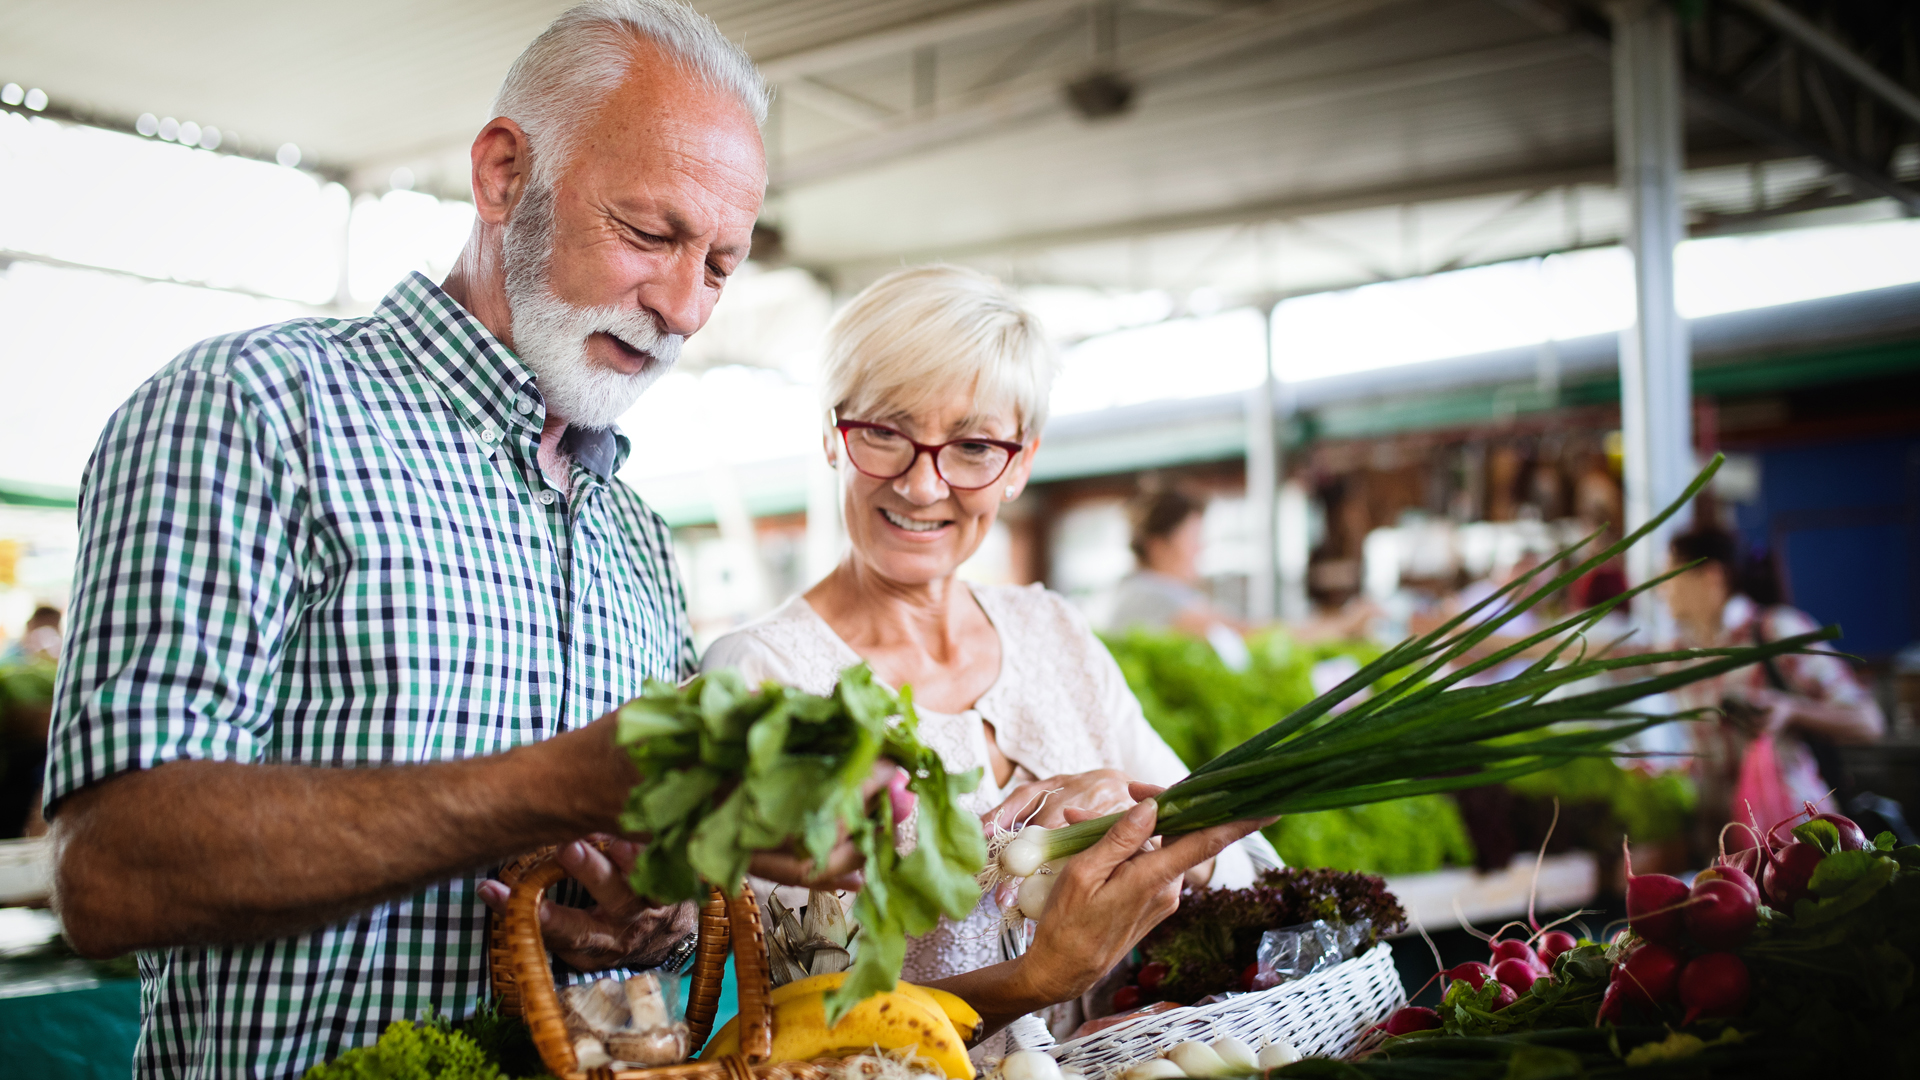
501,161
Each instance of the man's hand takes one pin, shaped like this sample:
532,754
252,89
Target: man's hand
1045,802
842,872
622,929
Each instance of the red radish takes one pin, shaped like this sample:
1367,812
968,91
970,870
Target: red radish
1126,998
1727,872
1517,974
1411,1019
1788,873
1473,973
1504,997
1152,975
1555,942
1647,977
1612,1006
1852,837
901,799
1722,913
1653,905
1513,949
1714,986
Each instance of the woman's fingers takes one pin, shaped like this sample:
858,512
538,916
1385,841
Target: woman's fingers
1121,843
1171,862
1144,791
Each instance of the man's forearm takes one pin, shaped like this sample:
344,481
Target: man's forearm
197,852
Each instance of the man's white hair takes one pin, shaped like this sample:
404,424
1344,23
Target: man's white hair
557,85
930,334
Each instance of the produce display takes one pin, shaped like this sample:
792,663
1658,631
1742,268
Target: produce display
1407,724
1209,945
933,1025
486,1047
730,771
1808,966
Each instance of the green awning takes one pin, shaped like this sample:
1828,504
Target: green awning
52,496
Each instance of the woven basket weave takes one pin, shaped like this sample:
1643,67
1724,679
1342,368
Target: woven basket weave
1326,1014
523,985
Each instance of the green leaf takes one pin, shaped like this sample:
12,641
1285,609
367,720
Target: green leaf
1841,869
1810,913
1885,842
714,849
1543,1063
1821,834
676,795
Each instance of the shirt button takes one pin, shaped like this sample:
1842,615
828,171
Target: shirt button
489,435
546,498
523,404
317,576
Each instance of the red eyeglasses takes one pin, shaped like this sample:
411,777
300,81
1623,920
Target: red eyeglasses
963,464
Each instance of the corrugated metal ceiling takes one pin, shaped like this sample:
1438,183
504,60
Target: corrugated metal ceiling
928,128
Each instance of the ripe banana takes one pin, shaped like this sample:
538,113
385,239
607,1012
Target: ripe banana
963,1017
904,1018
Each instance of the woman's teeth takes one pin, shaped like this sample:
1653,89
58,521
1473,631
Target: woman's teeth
910,524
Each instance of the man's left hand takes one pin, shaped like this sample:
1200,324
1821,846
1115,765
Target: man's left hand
621,929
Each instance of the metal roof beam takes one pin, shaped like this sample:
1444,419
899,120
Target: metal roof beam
1838,54
1039,96
910,36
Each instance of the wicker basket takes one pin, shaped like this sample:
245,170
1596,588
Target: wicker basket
523,985
1326,1014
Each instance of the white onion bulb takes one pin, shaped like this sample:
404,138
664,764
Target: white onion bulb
1025,852
1235,1053
1153,1069
1277,1053
1029,1065
1033,894
1197,1060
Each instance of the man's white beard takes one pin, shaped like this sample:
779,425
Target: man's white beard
550,335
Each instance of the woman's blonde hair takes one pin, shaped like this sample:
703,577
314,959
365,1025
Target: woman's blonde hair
927,333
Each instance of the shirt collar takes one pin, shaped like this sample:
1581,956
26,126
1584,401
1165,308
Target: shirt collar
1739,611
487,385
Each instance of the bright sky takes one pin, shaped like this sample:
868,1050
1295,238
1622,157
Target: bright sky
76,342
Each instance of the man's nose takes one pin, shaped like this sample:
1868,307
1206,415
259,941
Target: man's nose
678,294
921,483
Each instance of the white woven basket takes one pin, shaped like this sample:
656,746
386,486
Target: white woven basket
1324,1015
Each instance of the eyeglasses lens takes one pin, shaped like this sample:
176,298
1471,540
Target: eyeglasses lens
877,452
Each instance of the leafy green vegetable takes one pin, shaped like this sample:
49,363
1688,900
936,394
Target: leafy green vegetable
788,768
1215,934
409,1051
1646,807
1402,836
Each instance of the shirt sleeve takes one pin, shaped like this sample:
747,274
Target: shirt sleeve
187,577
1146,757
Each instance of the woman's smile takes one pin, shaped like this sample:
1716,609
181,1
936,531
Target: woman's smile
912,525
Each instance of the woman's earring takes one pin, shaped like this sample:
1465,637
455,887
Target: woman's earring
1011,492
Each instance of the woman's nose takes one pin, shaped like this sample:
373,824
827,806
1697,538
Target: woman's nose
921,482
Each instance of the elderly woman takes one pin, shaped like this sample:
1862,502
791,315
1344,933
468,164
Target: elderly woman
935,389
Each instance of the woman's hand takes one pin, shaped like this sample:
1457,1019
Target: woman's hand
1045,802
1109,896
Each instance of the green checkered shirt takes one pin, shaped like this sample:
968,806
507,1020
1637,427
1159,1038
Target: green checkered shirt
329,543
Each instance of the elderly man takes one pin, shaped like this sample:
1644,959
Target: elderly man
398,541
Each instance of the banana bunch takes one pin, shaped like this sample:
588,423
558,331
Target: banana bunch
936,1024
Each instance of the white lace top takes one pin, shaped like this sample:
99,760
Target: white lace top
1059,706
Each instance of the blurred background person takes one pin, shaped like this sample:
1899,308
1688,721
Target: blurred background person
1773,746
1166,590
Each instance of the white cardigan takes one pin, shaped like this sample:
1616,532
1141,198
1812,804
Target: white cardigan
1059,706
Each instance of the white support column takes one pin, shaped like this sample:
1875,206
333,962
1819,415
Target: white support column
1263,486
1656,399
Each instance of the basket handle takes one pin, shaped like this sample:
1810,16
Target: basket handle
726,924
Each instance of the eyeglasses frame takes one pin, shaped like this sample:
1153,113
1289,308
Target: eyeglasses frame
932,451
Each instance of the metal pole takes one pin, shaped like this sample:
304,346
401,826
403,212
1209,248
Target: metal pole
1656,407
1263,476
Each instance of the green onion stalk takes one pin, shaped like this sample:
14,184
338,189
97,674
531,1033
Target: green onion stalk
1415,728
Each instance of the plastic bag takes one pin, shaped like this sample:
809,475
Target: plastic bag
1761,791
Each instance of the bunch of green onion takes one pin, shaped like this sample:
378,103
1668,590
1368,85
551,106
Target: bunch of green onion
1421,730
